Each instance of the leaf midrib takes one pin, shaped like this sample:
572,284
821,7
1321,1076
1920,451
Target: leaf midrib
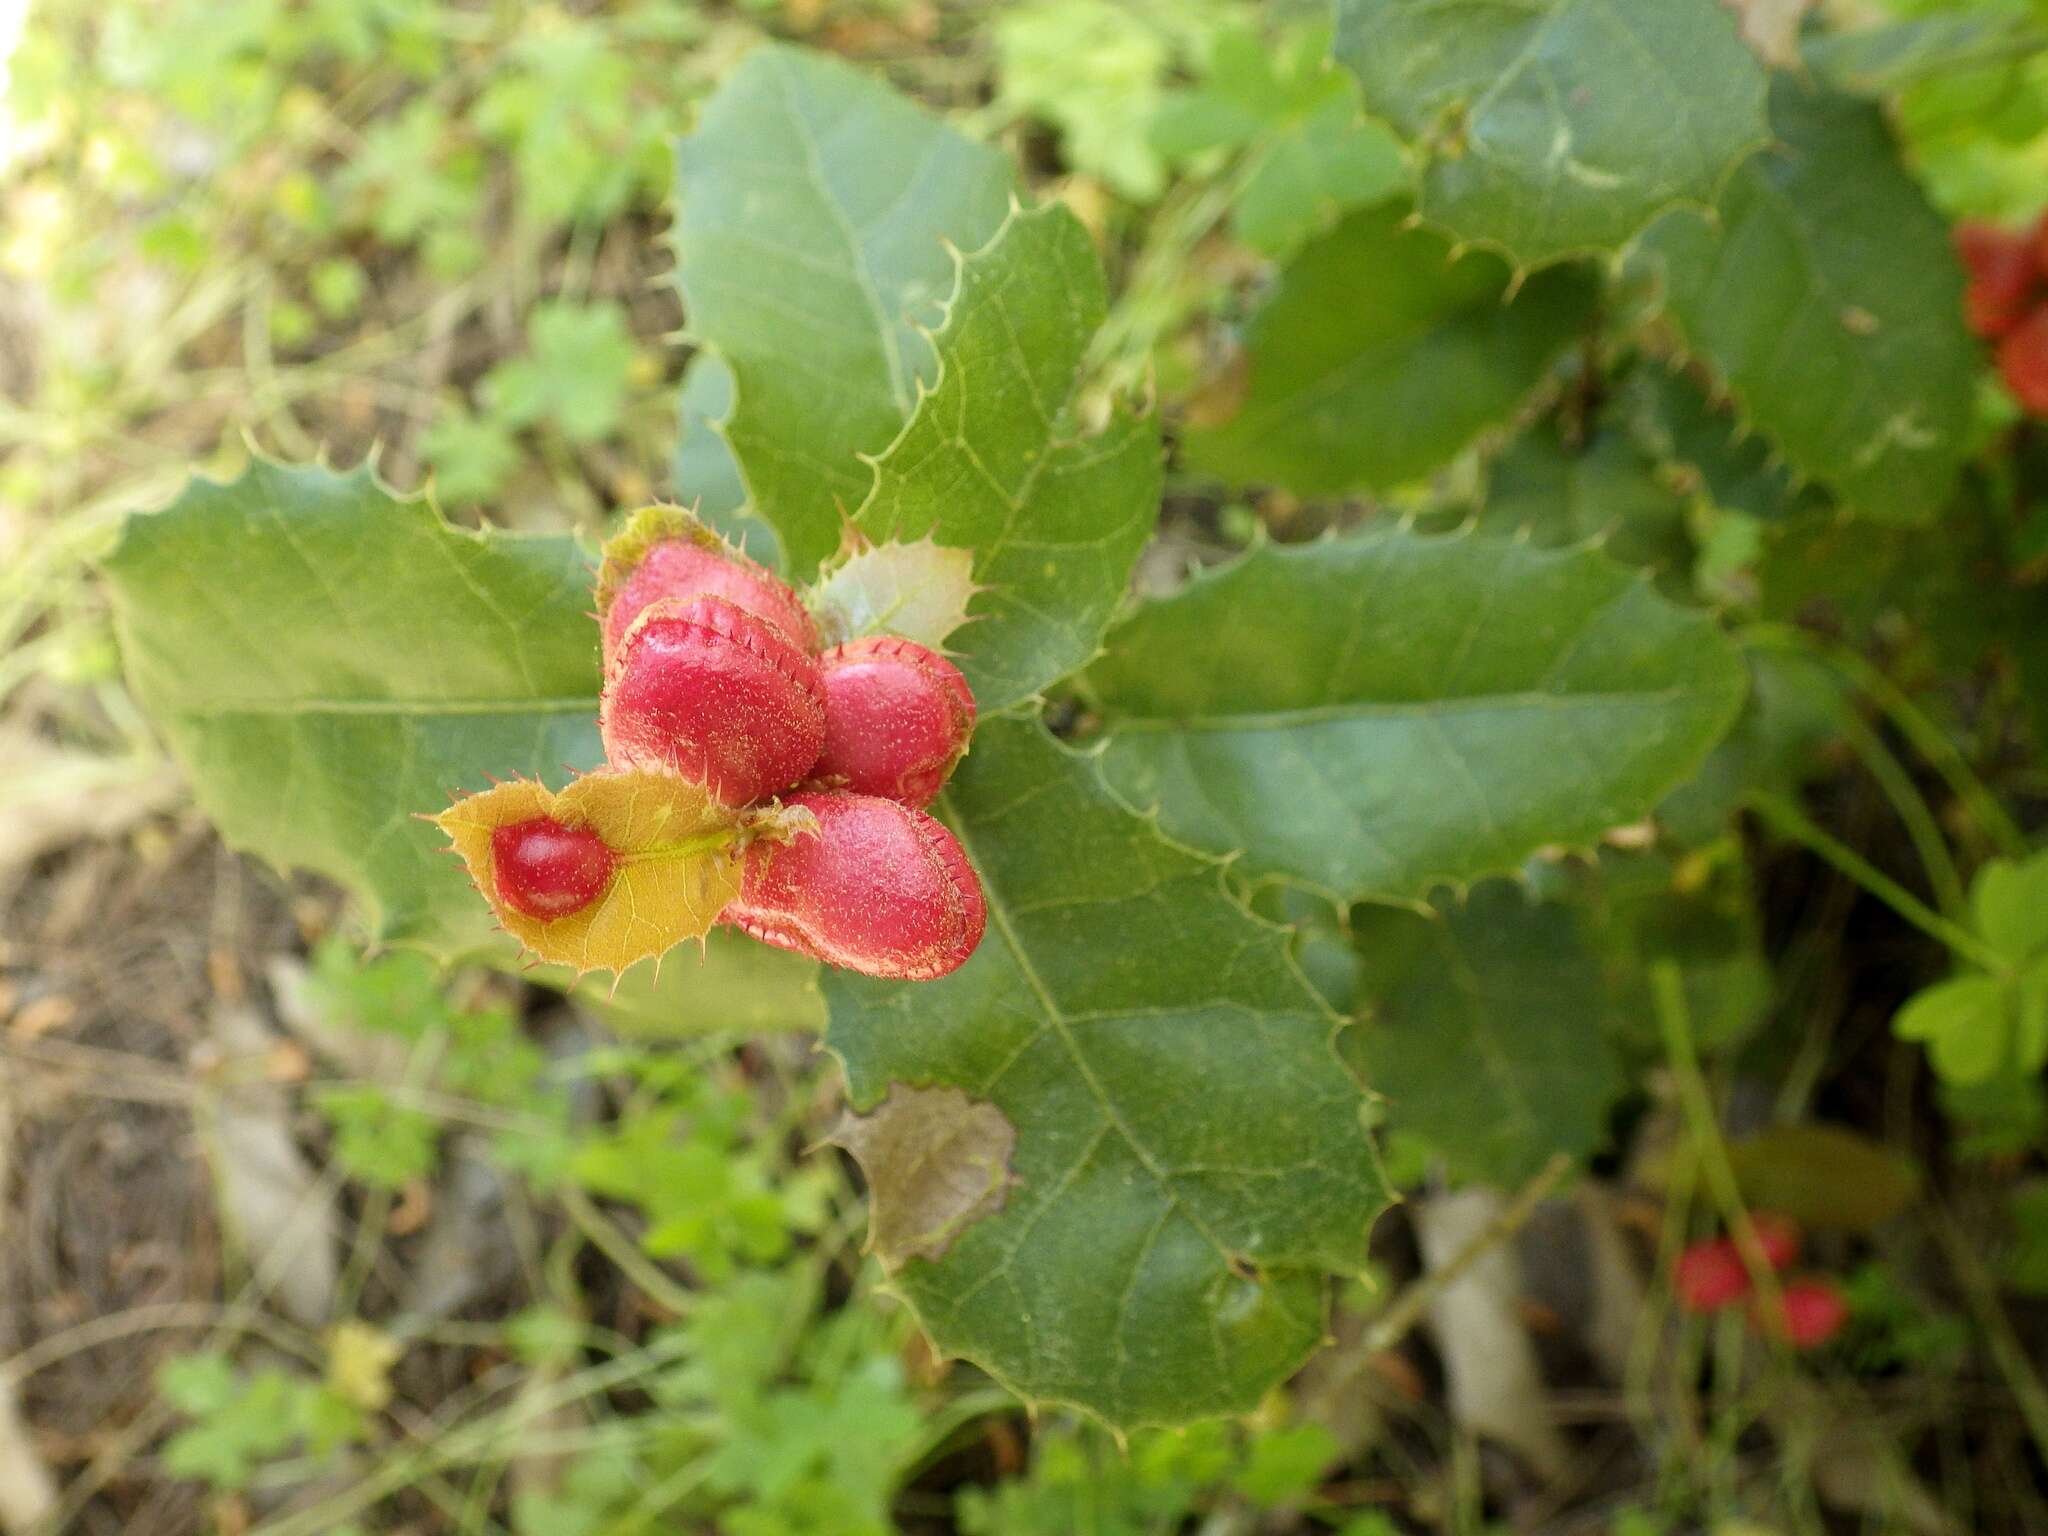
1425,709
424,708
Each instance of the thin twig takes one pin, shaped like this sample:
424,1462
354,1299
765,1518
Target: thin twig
1789,821
1406,1309
2007,1353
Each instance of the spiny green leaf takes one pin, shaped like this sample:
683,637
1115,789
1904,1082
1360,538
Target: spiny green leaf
997,461
1485,1030
1377,358
1189,1152
1877,61
707,480
1704,451
814,210
1558,494
1378,715
1824,294
1555,127
328,660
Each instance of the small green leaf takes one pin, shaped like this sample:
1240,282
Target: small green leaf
328,661
471,456
996,460
1485,1030
1189,1154
1377,357
1966,1025
1824,294
1378,715
2009,900
1558,126
1092,69
815,207
1310,155
575,374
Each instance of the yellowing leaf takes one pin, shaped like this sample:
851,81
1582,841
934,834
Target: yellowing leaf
917,590
678,861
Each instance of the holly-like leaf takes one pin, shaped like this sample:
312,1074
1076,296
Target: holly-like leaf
1705,451
707,478
1189,1151
1554,127
1377,358
1484,1028
815,206
919,591
1879,61
677,851
1824,294
327,659
997,460
1382,714
1558,493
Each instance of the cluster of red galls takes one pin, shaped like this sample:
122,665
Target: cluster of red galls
2007,302
713,670
1710,1276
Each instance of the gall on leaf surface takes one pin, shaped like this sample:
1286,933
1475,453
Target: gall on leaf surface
678,861
813,210
1382,714
1377,357
1558,127
669,552
996,459
1823,292
1191,1157
326,658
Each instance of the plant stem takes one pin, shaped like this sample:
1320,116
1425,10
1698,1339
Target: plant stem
1913,813
2007,1353
1674,1021
1788,820
1928,739
604,1235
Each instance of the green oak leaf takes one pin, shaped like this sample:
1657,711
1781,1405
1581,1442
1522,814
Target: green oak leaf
327,660
997,460
707,479
814,211
1555,127
1380,714
1602,490
1377,357
1190,1154
1824,295
1704,451
1879,61
1485,1030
